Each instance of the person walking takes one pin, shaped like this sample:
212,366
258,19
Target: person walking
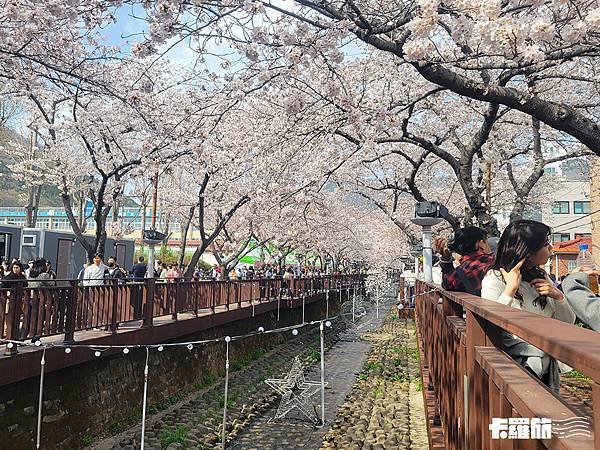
139,269
584,302
39,278
113,271
15,274
51,272
94,273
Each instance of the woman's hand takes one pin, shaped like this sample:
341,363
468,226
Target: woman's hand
545,287
512,278
440,246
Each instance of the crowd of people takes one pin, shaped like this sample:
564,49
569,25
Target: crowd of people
36,273
39,272
511,272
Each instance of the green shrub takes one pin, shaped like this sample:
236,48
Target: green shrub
176,436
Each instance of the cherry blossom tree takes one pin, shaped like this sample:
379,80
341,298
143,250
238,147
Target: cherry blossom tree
489,51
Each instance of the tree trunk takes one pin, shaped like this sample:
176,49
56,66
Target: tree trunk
517,210
29,222
36,204
66,199
184,228
224,271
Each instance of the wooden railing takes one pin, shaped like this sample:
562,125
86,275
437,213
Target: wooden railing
469,379
68,306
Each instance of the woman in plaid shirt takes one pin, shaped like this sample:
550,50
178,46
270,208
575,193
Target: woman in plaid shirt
476,259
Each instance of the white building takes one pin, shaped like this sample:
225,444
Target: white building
569,215
567,206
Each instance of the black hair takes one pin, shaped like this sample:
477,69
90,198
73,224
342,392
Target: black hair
38,267
520,240
465,240
141,259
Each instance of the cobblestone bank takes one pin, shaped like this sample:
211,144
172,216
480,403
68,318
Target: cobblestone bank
384,410
343,362
195,422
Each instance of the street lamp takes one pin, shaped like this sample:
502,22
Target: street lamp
152,237
428,214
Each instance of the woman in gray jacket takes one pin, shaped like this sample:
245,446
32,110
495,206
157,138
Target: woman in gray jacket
584,302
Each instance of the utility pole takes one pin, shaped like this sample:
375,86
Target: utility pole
151,245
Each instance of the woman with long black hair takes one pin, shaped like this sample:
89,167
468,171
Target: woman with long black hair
517,279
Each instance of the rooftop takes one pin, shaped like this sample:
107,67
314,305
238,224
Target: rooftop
572,246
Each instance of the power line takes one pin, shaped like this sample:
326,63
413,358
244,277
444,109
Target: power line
576,220
575,226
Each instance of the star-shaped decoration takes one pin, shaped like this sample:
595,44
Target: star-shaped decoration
295,392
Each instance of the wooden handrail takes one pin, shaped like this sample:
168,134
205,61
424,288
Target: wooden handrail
473,379
575,346
67,306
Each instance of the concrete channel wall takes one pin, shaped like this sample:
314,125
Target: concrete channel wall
83,400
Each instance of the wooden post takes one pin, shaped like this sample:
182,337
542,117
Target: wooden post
114,324
149,302
479,334
14,317
214,290
196,289
177,299
228,289
71,315
596,403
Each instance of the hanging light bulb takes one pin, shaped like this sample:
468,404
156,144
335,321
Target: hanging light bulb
227,339
125,350
295,332
68,350
190,346
160,348
328,324
97,353
261,329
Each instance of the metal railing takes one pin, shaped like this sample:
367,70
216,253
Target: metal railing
67,306
469,379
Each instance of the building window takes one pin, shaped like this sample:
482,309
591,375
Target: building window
583,235
16,221
571,265
550,170
561,237
42,223
29,240
581,207
61,224
560,208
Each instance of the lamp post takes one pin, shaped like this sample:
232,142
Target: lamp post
428,214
